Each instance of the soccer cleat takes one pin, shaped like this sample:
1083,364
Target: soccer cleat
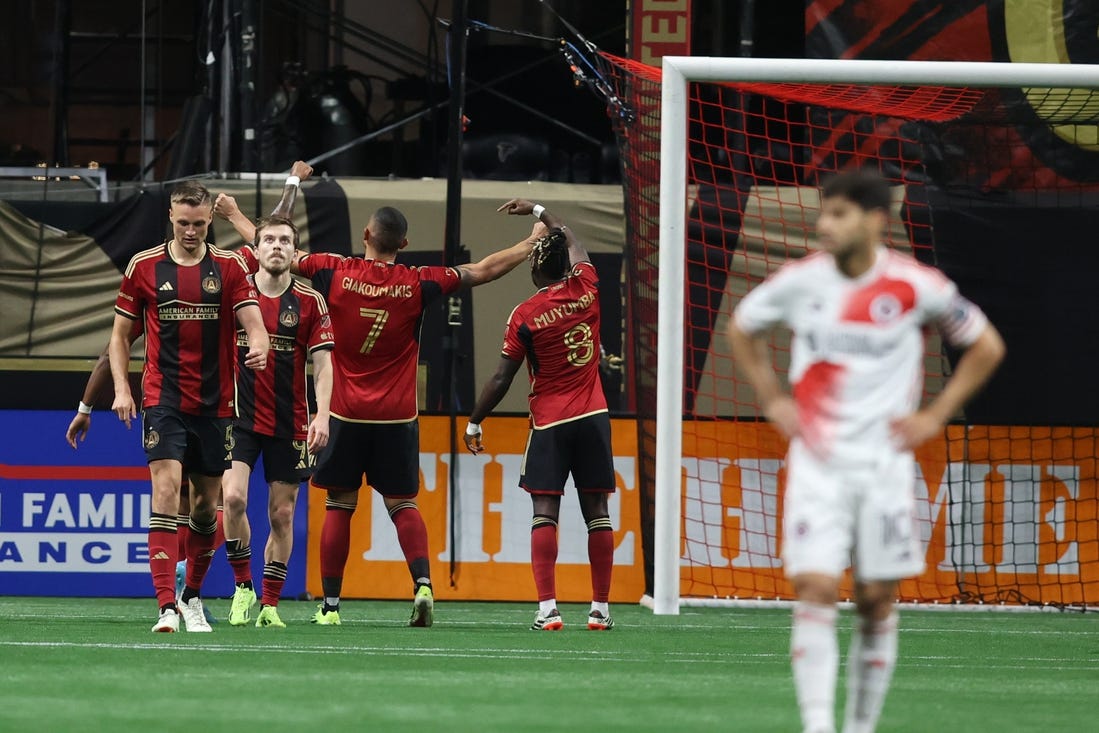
181,577
423,607
168,623
193,617
326,618
598,622
243,600
269,617
550,622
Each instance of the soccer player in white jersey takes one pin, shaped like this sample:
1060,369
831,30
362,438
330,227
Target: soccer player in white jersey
856,310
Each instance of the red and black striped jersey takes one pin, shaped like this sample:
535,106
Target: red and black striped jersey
557,331
377,309
190,325
274,401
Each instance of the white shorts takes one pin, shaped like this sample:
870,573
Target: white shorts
839,516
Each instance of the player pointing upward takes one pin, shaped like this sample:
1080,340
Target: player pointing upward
856,311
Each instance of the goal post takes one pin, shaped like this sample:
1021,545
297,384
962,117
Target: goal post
675,80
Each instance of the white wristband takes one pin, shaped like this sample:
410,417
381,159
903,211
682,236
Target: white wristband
537,211
84,409
473,428
293,181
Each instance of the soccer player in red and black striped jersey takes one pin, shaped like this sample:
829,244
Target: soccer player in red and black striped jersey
556,331
377,306
189,295
273,416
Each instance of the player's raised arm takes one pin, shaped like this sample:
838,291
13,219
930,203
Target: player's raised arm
494,390
226,206
523,207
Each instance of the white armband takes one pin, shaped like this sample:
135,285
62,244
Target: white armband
473,429
84,409
537,211
293,181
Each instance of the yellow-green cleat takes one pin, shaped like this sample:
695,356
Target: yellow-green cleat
269,618
326,618
240,613
423,607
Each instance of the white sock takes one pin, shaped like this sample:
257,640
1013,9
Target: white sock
870,663
544,607
603,608
814,657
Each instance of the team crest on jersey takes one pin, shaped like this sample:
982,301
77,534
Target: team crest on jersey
152,439
885,307
288,318
211,284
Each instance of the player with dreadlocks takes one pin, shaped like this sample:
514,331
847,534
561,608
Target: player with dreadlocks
557,331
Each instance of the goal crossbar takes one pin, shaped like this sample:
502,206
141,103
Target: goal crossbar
678,72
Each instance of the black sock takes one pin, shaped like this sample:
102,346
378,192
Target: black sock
246,585
188,594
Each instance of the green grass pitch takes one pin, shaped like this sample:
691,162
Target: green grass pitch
93,665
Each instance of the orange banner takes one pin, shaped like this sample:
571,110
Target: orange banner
492,538
1006,514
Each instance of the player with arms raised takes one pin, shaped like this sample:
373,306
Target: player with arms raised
857,311
557,331
377,306
190,295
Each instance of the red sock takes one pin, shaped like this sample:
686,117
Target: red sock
335,543
543,556
162,557
183,531
200,552
240,560
412,534
601,557
274,577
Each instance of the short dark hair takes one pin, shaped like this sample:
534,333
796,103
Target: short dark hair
269,221
550,255
390,226
191,193
865,188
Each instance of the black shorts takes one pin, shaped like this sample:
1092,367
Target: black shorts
580,447
388,454
202,444
284,459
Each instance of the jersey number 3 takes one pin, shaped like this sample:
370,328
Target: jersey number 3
379,317
580,345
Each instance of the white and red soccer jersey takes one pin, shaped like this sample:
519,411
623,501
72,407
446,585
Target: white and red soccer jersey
856,359
376,309
557,331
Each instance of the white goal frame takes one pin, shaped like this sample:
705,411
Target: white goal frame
678,71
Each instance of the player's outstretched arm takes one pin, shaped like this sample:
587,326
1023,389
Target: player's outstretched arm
976,366
523,207
494,390
754,361
498,264
317,437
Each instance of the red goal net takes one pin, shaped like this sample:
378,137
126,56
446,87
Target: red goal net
1008,494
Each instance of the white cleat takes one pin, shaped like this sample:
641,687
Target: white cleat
168,623
193,617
